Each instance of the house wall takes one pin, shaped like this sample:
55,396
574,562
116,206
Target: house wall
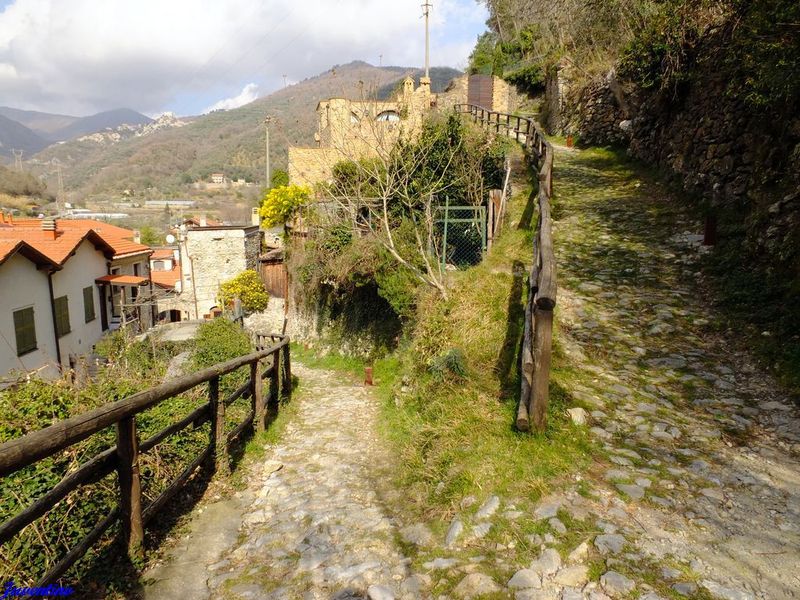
210,257
23,285
79,272
308,166
126,266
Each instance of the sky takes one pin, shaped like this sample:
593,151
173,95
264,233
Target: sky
79,57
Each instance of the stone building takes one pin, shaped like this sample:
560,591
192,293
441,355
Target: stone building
209,256
356,129
352,130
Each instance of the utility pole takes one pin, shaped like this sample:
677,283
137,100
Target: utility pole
426,11
380,60
284,81
18,159
267,121
60,195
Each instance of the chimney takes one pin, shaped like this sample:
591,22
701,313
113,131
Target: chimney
255,218
137,236
203,221
2,218
49,225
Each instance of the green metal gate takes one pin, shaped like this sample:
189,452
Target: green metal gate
463,235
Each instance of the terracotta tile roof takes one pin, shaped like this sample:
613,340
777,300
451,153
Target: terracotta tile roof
195,221
114,241
9,248
162,253
166,279
122,280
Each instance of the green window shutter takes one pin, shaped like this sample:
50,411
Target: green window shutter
88,304
25,330
62,316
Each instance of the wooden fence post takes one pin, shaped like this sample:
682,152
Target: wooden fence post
275,379
257,395
523,409
218,441
286,391
542,341
130,486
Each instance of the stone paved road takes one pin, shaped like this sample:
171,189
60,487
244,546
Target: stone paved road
703,446
312,522
695,489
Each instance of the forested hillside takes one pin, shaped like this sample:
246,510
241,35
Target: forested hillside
230,141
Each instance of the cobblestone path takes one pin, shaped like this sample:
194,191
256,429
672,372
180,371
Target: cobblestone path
695,487
312,523
694,491
702,447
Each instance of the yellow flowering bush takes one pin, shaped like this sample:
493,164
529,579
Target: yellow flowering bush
280,203
246,286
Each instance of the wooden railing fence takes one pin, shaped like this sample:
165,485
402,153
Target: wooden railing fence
270,361
538,332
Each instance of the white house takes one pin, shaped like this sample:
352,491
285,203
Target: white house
62,284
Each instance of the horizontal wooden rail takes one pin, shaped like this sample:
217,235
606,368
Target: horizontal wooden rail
124,457
542,284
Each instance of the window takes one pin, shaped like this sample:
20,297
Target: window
88,304
25,330
62,316
136,269
388,115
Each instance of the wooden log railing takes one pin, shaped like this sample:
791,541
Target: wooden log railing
270,360
542,288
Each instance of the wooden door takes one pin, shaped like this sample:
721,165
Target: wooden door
480,89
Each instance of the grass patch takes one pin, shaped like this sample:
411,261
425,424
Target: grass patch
455,433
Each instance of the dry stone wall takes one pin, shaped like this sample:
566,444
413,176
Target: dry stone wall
743,165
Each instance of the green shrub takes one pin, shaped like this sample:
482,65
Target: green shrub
248,287
36,404
451,364
219,340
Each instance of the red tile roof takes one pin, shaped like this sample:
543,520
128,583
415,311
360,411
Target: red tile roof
195,221
122,280
57,247
162,253
166,279
12,247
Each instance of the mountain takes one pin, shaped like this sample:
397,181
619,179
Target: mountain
229,141
57,128
109,119
15,136
44,124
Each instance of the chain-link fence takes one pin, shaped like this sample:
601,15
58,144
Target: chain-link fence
461,235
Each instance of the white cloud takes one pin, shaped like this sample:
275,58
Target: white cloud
247,95
80,56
